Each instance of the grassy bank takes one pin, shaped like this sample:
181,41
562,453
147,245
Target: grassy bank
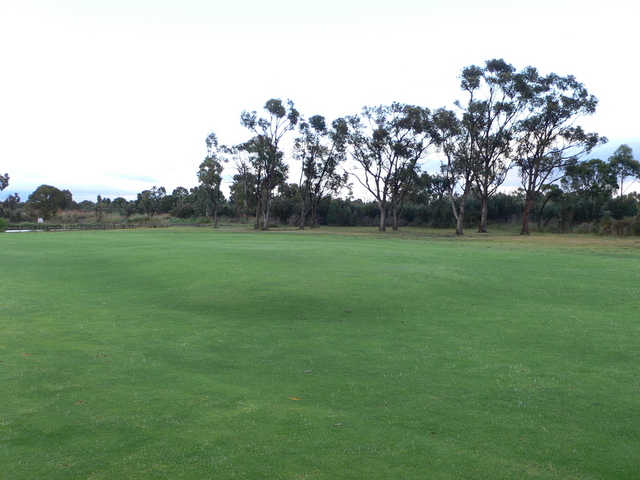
339,354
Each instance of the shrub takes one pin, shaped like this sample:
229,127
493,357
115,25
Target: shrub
586,227
607,225
636,226
3,224
139,219
627,206
623,227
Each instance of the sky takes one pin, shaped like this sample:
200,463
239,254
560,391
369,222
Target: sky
112,97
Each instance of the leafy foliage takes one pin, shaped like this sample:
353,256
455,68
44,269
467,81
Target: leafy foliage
548,138
47,200
489,119
265,154
387,142
210,177
320,150
624,165
149,200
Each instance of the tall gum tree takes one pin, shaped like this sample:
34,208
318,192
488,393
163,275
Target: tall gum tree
210,176
592,181
624,165
490,116
267,155
148,201
320,150
386,143
250,159
243,186
456,144
548,139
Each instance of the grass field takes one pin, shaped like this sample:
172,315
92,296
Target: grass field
336,354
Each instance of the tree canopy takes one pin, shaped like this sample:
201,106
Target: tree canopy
266,156
624,165
507,119
548,138
210,177
489,118
46,200
387,142
320,150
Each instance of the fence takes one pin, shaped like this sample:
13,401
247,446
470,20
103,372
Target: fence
81,226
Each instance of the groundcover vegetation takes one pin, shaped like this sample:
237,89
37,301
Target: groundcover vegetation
193,353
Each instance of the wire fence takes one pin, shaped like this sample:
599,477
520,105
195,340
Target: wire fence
80,226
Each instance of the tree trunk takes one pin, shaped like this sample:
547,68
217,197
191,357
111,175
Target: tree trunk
245,201
528,205
314,207
215,207
540,214
303,214
484,216
459,225
383,217
267,208
460,216
315,200
395,218
458,212
621,185
256,226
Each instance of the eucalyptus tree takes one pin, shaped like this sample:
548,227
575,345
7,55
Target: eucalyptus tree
10,205
549,193
624,165
265,150
252,162
490,116
387,142
210,176
456,143
243,184
4,181
592,178
122,206
100,208
148,201
404,183
181,203
320,150
548,138
593,184
46,200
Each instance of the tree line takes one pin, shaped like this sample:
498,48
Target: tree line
507,120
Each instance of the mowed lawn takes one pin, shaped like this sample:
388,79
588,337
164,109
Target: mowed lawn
337,354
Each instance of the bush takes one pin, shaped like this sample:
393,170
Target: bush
3,224
607,225
636,226
623,227
586,227
627,206
139,219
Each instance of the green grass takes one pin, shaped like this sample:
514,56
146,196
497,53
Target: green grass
333,354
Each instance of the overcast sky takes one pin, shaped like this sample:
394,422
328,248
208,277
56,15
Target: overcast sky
112,97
